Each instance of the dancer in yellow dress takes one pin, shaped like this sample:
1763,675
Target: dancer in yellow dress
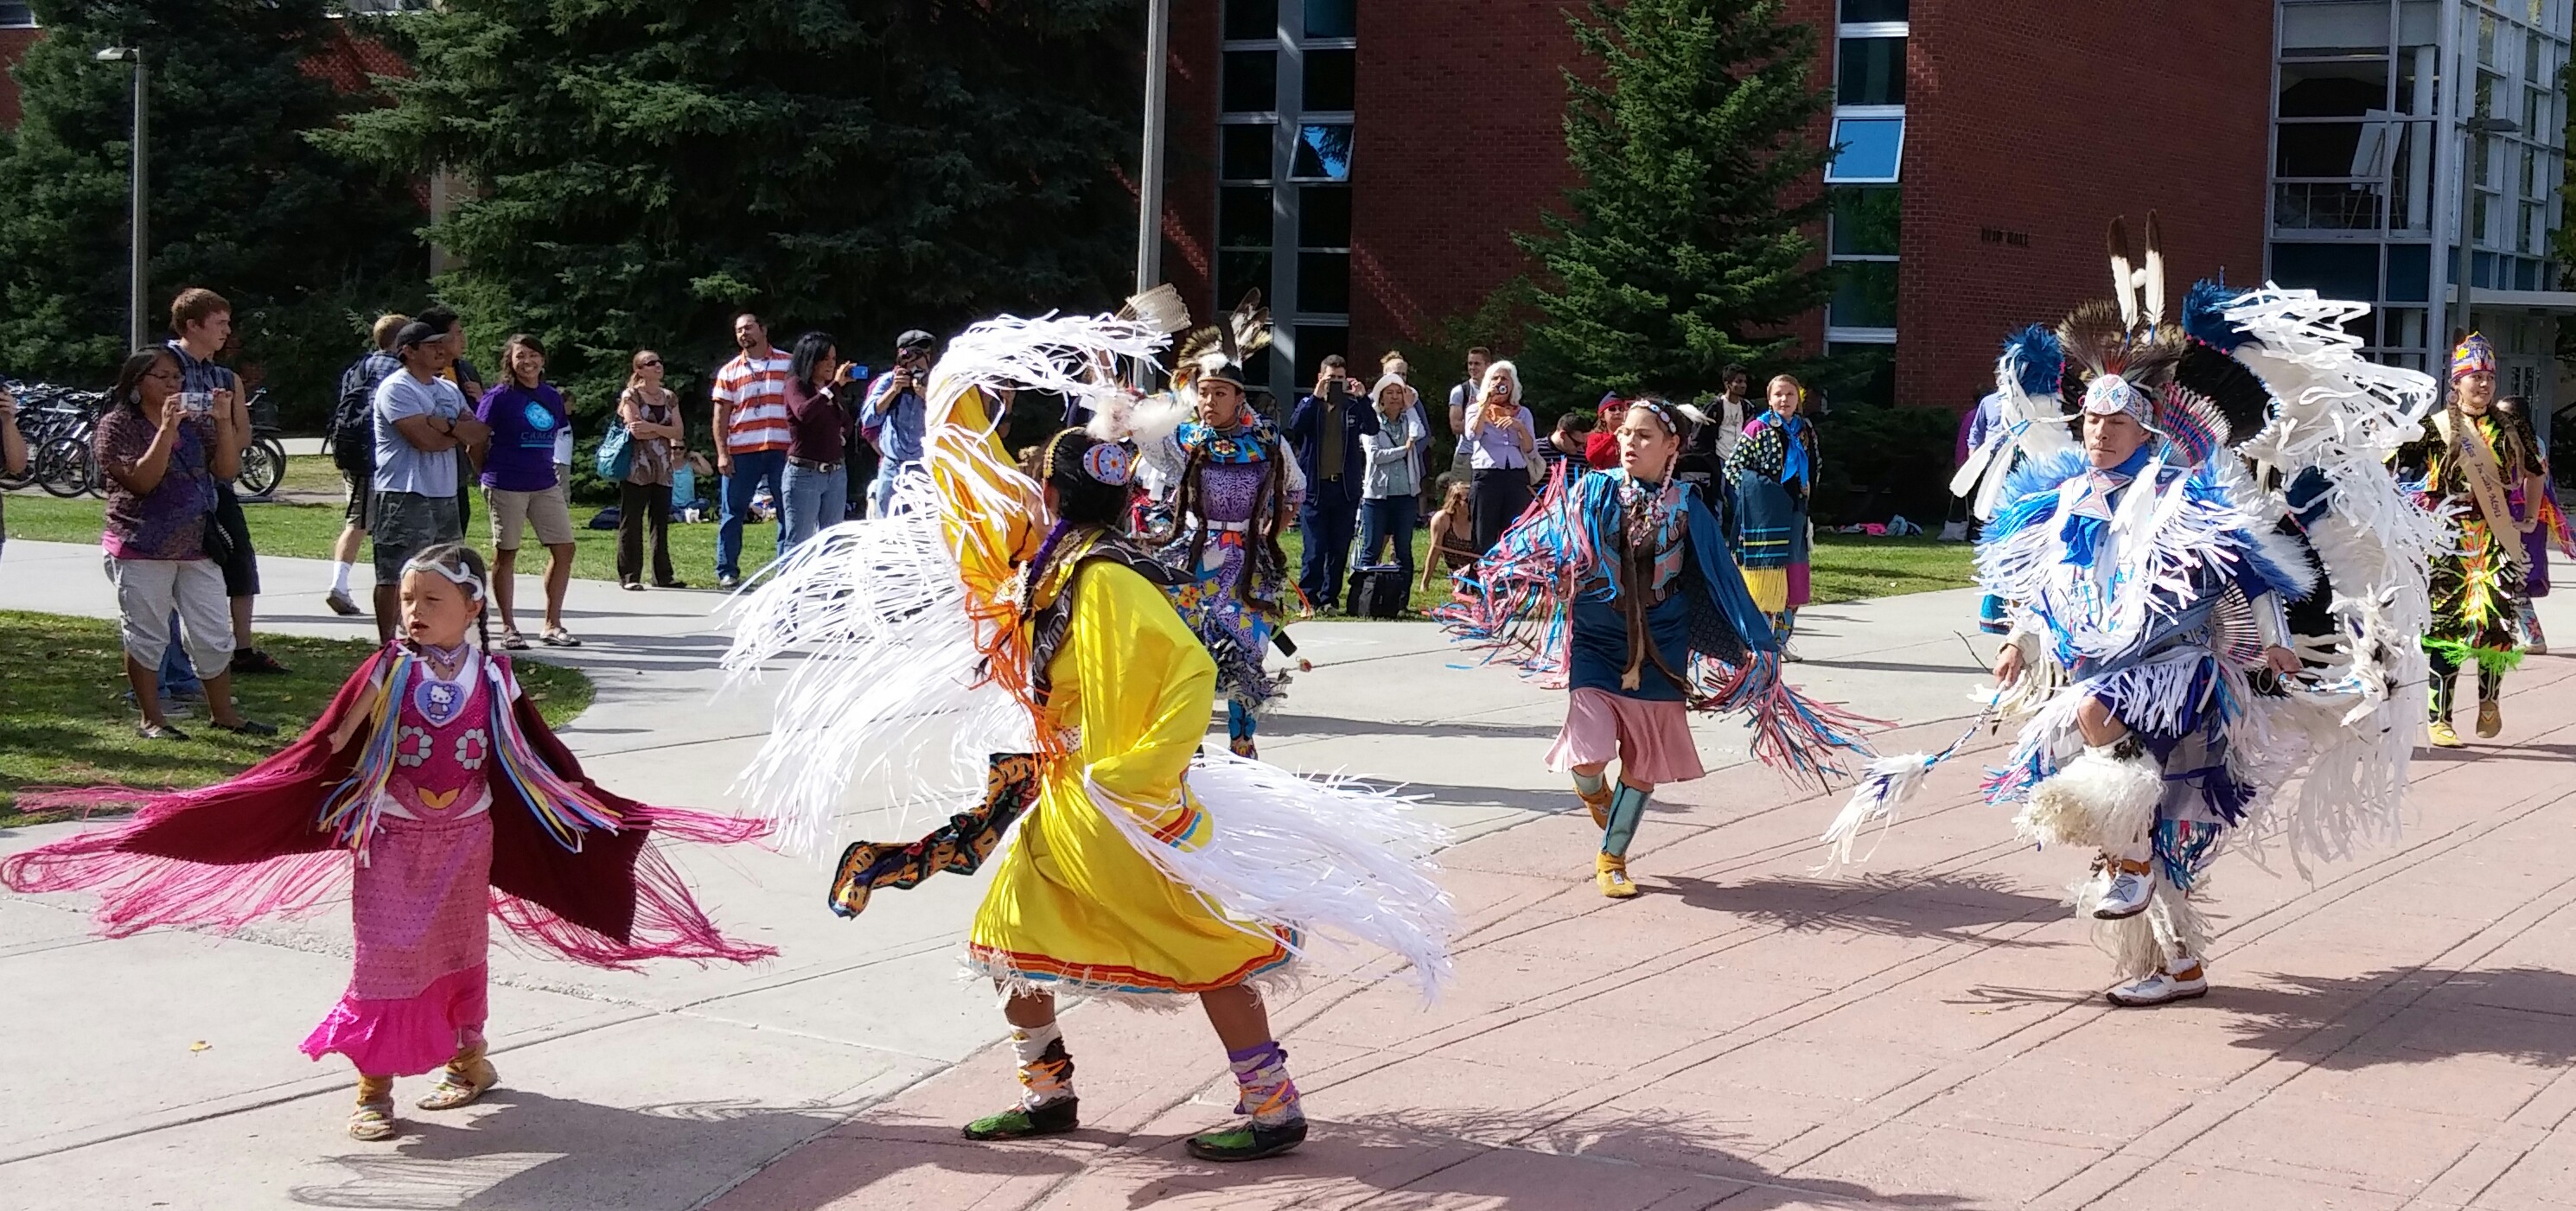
1068,696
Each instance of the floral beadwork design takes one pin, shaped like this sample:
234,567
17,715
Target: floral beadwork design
411,745
472,747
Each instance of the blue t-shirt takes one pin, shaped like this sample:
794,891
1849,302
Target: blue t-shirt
401,466
524,422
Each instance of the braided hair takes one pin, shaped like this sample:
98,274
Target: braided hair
463,567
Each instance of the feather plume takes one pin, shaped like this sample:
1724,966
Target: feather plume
2155,279
2191,422
2125,286
1160,309
2096,336
2033,360
2204,316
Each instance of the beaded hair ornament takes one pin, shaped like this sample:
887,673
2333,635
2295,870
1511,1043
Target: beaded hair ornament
463,578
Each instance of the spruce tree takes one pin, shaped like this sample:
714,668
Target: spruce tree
301,243
1685,246
635,171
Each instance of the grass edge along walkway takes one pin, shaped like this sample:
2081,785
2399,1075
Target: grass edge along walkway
64,720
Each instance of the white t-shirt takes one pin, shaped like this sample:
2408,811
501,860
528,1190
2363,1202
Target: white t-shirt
563,442
401,466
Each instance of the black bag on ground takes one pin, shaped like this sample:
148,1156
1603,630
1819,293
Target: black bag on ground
1378,591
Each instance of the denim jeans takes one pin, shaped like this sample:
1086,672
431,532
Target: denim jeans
749,469
815,501
1328,527
881,491
1385,519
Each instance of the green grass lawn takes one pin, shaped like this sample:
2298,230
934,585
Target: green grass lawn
307,530
65,721
1848,567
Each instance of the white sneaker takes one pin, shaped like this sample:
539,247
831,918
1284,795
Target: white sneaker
2127,894
2163,988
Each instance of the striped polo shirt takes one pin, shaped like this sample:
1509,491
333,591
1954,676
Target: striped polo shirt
756,387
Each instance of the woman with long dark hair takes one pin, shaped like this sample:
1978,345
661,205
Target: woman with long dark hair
1774,475
817,487
658,442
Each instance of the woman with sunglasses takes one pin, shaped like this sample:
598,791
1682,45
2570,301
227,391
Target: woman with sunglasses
652,420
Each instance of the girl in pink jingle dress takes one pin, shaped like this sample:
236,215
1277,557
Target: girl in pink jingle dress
440,779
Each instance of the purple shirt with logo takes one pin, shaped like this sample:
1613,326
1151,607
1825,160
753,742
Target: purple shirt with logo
524,421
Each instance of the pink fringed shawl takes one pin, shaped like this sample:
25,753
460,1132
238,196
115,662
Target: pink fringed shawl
254,847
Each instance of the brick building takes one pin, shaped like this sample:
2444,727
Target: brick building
1366,164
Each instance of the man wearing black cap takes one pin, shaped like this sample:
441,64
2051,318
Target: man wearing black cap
421,420
893,415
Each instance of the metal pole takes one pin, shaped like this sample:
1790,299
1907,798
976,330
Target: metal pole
141,285
2468,229
1149,170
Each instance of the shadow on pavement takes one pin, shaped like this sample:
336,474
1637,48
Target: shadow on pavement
2523,1014
532,1150
1950,908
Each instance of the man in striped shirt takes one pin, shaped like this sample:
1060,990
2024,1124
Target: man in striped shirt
751,438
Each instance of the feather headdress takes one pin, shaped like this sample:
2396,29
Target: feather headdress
1219,350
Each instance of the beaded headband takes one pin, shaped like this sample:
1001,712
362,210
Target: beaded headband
462,578
1661,412
2473,356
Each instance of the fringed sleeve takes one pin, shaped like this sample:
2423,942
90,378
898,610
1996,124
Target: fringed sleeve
1516,603
616,900
222,856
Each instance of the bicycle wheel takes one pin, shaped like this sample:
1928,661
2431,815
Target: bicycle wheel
65,467
263,464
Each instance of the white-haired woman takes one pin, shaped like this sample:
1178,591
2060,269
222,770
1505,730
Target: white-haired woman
1501,443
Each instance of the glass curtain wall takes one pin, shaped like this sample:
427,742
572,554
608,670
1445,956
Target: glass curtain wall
1287,87
1862,182
2366,149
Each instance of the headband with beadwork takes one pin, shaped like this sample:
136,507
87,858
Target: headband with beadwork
2473,356
1105,462
463,578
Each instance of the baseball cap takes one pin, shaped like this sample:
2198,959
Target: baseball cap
913,339
416,333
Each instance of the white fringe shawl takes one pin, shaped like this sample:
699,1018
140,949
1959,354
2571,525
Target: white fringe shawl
1319,856
2345,416
889,704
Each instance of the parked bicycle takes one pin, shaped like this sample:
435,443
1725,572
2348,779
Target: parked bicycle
263,462
58,423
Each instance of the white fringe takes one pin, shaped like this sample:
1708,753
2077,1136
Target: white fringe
2172,927
889,704
2096,800
1886,784
1319,856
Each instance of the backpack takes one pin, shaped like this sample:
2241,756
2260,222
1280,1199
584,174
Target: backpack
1379,591
353,419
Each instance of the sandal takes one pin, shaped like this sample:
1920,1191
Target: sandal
557,637
514,641
458,1089
159,731
373,1121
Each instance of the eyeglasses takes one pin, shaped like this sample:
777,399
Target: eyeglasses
650,361
166,376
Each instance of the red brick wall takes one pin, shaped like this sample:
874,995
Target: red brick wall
1460,142
2047,119
13,47
1189,157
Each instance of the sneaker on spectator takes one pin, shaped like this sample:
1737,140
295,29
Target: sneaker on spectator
254,662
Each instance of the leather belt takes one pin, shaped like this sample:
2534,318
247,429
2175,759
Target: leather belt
807,464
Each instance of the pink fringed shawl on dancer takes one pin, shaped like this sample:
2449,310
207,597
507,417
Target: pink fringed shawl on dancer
256,846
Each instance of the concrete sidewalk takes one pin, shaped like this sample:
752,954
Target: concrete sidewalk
1923,1034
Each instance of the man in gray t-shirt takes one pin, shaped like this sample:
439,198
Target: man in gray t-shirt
421,420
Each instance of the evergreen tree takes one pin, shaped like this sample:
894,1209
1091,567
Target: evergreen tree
240,201
638,170
1685,248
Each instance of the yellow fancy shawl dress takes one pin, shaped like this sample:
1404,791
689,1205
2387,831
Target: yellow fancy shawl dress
1073,902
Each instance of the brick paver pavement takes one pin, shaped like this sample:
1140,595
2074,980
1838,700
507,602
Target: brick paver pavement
1924,1033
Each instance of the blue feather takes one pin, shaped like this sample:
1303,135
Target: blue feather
2204,316
2030,492
2036,359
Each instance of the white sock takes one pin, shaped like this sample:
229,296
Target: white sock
340,578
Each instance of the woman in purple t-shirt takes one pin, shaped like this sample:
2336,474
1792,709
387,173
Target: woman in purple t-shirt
525,413
161,453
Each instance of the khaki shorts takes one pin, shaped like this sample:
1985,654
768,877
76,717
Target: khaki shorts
512,511
148,591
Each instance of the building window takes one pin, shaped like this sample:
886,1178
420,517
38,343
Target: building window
1284,151
1862,236
17,16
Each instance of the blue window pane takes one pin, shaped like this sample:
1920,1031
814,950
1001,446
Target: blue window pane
2410,273
1323,153
2526,274
1869,149
1332,18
